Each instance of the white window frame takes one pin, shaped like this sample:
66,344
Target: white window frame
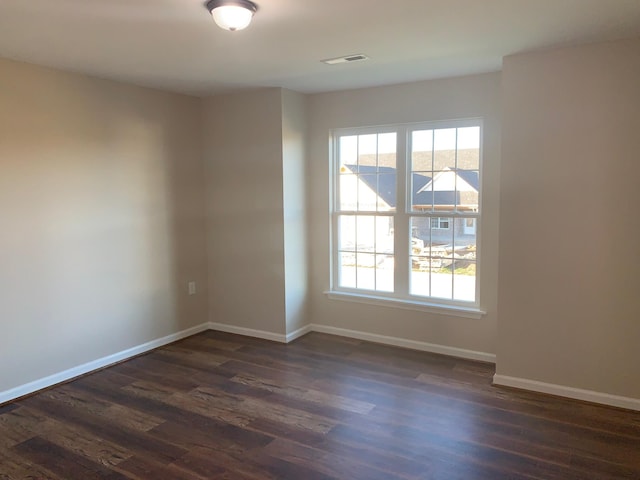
401,298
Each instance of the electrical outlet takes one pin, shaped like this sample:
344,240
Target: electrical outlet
192,288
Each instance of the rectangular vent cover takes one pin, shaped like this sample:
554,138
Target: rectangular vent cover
359,57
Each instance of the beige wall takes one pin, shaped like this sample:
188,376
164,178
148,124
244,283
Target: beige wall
294,132
102,203
569,305
474,96
102,207
243,155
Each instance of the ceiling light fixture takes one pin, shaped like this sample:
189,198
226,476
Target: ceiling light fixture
232,14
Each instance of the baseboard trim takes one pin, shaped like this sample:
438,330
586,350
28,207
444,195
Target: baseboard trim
569,392
61,377
298,333
248,332
502,380
370,337
405,343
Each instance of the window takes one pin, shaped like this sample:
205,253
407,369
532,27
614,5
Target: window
439,223
406,208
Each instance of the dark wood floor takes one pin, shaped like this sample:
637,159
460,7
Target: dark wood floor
220,406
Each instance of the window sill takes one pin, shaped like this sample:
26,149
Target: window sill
406,304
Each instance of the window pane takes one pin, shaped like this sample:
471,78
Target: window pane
348,151
347,270
386,151
420,262
348,192
464,280
420,276
441,283
464,265
444,145
445,186
347,233
367,151
386,192
366,252
467,187
367,196
420,235
384,234
422,150
421,191
469,148
368,162
465,237
384,273
366,234
421,170
432,256
366,271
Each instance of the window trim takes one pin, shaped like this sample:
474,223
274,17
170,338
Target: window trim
406,304
401,298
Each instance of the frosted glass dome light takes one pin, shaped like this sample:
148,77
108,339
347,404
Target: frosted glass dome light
232,14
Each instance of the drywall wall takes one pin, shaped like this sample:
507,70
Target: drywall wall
294,122
243,154
473,96
102,208
569,228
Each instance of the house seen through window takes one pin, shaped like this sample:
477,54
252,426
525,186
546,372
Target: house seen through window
406,211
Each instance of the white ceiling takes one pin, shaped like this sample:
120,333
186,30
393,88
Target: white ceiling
174,44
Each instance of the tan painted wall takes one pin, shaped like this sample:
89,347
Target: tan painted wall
243,154
474,96
102,207
294,133
569,256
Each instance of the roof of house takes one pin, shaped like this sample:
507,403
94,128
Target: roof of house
383,181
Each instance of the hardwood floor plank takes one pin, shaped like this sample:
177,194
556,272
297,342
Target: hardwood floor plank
310,395
282,469
15,467
221,406
63,462
215,464
8,408
74,439
336,466
129,439
142,468
12,433
192,422
257,408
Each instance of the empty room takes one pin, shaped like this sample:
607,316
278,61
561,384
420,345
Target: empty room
337,240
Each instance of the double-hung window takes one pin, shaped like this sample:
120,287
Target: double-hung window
406,212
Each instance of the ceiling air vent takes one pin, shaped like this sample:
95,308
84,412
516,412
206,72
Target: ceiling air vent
348,59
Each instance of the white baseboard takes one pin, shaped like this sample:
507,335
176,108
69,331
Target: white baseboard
94,365
504,380
402,342
371,337
570,392
248,332
298,333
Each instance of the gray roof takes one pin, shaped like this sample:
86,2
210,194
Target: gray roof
383,181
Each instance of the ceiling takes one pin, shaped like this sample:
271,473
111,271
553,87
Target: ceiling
174,44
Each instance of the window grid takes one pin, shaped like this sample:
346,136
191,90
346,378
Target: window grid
433,261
